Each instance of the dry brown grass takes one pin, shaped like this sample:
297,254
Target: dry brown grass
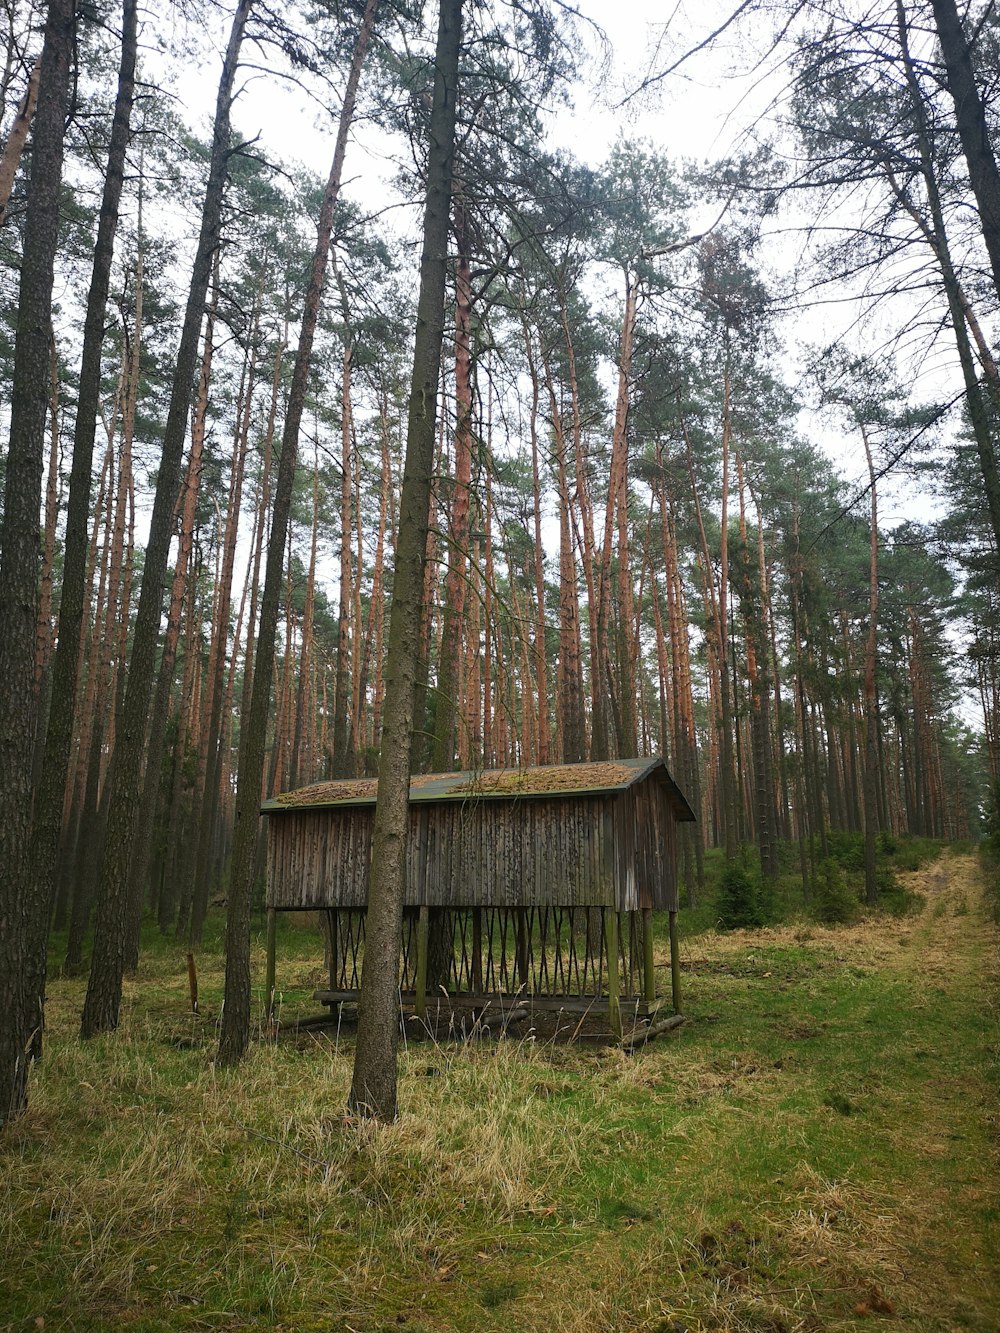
707,1183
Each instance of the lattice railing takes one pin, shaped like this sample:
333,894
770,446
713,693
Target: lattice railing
543,951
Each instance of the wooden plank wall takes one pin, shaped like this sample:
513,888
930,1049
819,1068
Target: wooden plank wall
600,850
646,847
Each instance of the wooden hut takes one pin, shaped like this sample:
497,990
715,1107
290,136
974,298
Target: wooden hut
542,881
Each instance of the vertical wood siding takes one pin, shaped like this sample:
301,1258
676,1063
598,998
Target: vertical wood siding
614,850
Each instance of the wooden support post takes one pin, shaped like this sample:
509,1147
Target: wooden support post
521,947
193,982
611,944
648,974
272,938
675,964
423,927
333,944
477,950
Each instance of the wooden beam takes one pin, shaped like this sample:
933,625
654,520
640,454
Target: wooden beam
675,964
648,972
423,926
611,945
502,1004
333,943
269,976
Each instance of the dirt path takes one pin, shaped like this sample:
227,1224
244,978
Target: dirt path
949,956
897,1027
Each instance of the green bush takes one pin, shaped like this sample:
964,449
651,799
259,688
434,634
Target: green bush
848,849
835,902
738,905
887,844
913,852
989,853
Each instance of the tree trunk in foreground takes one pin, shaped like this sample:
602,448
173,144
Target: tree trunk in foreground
104,989
66,661
373,1089
970,116
871,702
235,1032
19,555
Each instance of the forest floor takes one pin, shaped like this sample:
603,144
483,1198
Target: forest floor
817,1148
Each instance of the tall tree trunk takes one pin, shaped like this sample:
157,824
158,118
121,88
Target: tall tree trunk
373,1087
10,158
306,655
983,421
45,634
93,714
871,702
446,711
755,622
616,520
21,905
378,607
142,852
199,432
570,681
970,116
104,989
538,560
728,769
218,650
342,766
585,543
235,1032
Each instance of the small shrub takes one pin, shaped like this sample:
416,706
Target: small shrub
835,902
848,849
886,881
738,904
912,852
893,898
887,844
989,860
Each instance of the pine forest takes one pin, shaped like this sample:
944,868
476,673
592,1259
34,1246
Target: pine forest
392,389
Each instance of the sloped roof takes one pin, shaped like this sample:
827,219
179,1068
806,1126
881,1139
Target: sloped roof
546,780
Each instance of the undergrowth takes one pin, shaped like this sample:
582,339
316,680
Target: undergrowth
736,895
814,1141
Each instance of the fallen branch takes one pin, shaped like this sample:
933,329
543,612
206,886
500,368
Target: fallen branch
652,1032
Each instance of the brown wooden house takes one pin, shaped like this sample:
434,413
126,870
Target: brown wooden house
544,880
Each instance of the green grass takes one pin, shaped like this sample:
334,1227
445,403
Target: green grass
784,901
820,1135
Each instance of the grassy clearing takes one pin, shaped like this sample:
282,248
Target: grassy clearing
815,1150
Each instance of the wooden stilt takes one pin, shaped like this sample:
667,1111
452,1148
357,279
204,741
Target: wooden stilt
269,976
423,925
521,947
648,974
611,944
333,944
477,950
193,982
675,964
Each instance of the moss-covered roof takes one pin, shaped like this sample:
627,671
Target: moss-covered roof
490,784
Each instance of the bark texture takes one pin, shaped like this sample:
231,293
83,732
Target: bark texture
66,661
373,1088
19,555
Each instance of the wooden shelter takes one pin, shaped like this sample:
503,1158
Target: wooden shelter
543,881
